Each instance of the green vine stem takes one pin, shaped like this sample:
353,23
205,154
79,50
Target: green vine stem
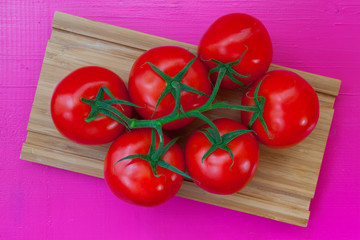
101,108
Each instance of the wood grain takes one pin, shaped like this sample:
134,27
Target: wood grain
286,179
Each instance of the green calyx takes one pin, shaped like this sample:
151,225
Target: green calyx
259,104
175,86
228,69
99,107
221,143
154,157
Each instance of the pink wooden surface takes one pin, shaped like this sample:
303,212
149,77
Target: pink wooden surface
40,202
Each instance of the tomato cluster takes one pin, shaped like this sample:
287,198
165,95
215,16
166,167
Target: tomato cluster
169,87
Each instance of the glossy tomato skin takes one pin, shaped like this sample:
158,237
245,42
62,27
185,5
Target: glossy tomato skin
69,113
227,39
133,180
291,108
215,173
146,86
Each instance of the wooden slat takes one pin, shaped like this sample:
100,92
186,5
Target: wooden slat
72,162
47,154
48,151
286,178
247,204
275,195
114,34
250,200
143,41
63,145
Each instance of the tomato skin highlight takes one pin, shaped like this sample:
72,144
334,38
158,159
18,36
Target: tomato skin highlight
133,180
291,109
69,112
227,39
215,174
146,86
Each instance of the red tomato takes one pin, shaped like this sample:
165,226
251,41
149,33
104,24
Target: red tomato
146,86
291,108
228,38
69,112
216,173
133,180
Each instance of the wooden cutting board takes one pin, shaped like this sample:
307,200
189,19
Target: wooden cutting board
286,178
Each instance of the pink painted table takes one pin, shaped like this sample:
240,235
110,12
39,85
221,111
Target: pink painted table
40,202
